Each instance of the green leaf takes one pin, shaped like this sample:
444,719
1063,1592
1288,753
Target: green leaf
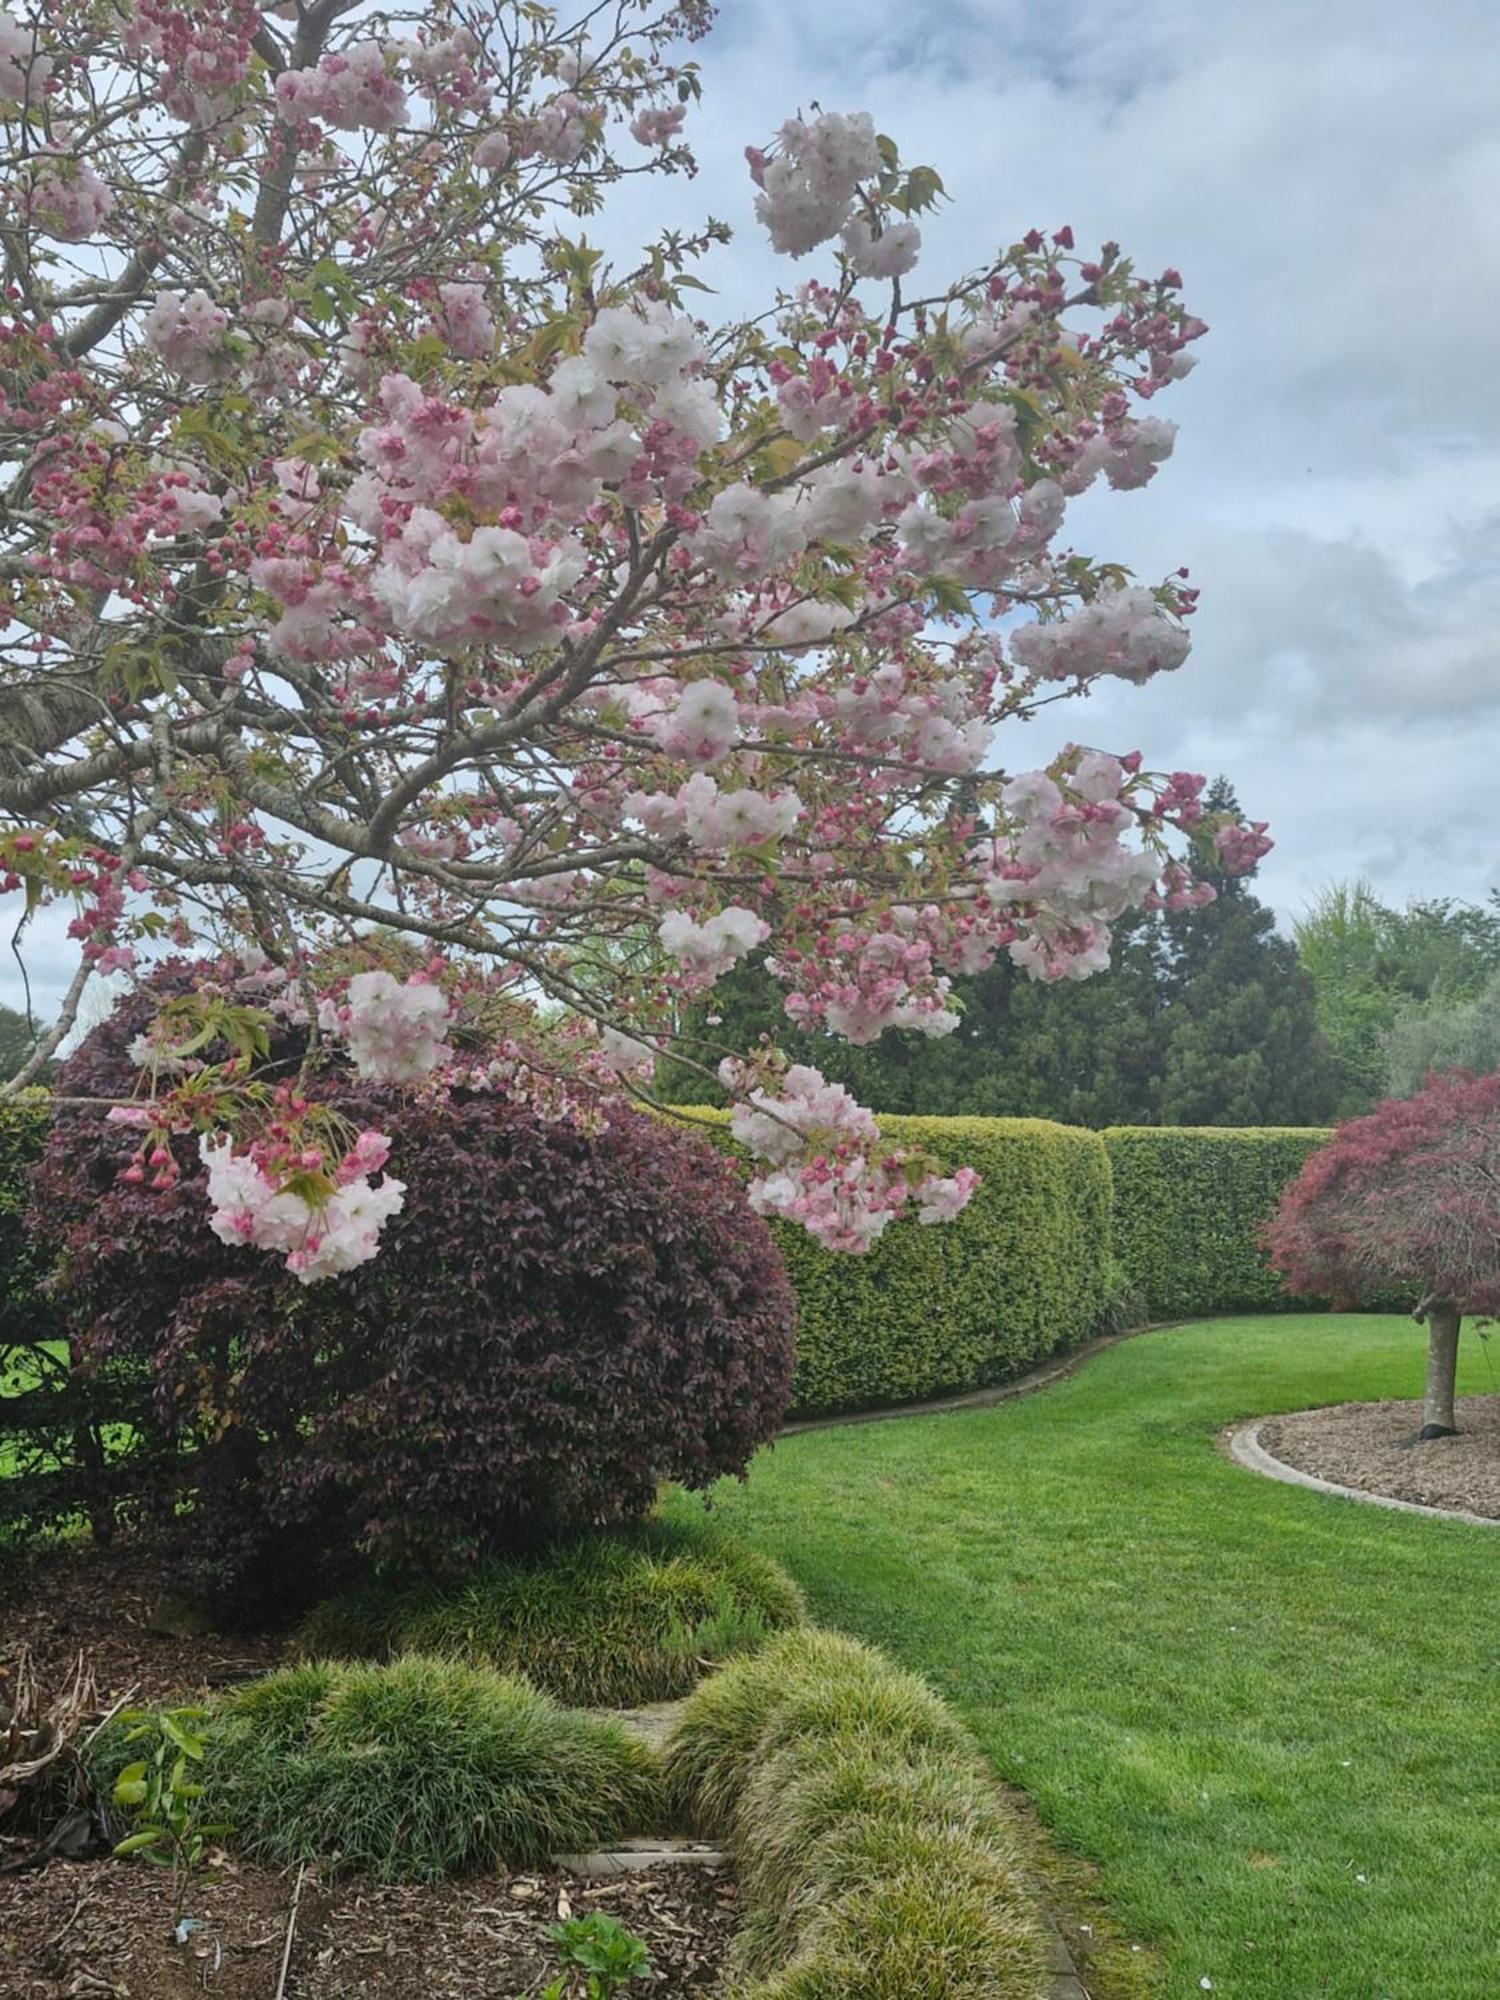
172,1729
947,595
139,1843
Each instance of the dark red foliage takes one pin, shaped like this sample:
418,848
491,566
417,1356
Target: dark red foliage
1408,1196
557,1321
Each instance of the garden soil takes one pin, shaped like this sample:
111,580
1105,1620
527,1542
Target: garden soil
1369,1446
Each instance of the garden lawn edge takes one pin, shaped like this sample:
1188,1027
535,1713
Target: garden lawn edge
1243,1445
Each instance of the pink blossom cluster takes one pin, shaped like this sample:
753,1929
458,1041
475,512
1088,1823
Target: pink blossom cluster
715,821
1127,451
658,125
498,587
828,1167
69,199
318,1238
536,458
560,130
24,70
705,951
626,1056
1242,844
446,69
747,532
696,722
808,186
352,91
1178,891
887,252
200,54
191,335
861,985
394,1030
99,882
1124,632
984,540
464,320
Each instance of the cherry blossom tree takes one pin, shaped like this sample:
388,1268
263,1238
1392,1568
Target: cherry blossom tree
1405,1198
383,562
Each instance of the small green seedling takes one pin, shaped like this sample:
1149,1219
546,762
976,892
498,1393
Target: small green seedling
160,1791
602,1951
728,1630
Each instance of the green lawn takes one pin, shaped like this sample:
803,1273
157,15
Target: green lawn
1272,1718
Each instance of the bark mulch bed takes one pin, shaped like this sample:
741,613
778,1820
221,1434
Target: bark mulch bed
74,1596
1369,1446
103,1929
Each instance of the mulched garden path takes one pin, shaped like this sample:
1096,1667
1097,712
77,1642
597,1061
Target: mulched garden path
1365,1445
103,1929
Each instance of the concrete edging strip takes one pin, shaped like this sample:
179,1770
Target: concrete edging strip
1246,1449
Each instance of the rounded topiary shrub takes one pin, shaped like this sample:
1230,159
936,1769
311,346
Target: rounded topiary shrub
562,1316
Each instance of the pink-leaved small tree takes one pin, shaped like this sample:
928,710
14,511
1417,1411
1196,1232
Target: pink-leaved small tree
1408,1196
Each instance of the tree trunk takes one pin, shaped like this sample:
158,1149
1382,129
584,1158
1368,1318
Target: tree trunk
1442,1369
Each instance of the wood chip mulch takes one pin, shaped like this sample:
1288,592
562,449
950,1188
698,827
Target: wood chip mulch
104,1929
1369,1446
75,1597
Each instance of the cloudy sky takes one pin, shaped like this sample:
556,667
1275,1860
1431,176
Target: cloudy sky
1325,174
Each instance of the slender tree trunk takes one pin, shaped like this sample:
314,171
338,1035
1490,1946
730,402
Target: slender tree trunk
1442,1369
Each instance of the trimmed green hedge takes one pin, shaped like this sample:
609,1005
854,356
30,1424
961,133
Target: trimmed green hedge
1188,1203
1026,1269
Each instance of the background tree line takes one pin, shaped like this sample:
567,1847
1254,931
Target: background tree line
1210,1017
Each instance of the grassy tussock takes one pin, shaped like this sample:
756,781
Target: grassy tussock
876,1856
913,1936
807,1683
417,1769
610,1621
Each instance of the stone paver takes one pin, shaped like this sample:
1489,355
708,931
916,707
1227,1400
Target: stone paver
1063,1982
633,1855
653,1724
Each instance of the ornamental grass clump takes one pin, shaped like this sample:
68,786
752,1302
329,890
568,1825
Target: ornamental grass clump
916,1936
608,1620
804,1685
417,1769
876,1857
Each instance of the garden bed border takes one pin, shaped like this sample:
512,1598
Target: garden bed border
1242,1444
